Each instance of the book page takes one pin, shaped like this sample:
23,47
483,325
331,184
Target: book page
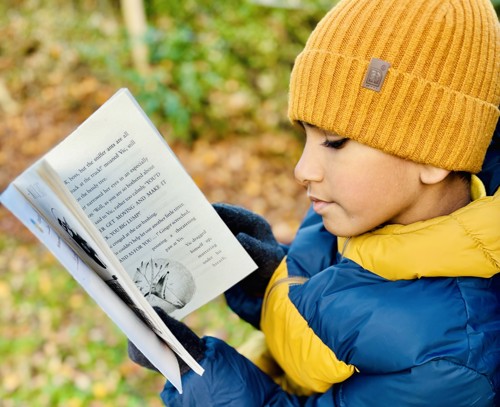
151,214
135,329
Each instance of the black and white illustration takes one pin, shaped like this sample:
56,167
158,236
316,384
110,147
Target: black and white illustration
79,240
165,283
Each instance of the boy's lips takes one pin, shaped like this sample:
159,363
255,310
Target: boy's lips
318,204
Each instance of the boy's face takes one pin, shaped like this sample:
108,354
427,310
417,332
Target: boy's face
356,188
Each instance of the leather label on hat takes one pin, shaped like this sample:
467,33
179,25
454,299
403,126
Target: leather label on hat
375,75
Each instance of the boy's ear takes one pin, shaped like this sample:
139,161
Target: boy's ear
430,175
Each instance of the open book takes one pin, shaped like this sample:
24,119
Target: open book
118,210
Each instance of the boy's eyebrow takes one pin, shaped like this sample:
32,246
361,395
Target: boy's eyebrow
325,132
308,124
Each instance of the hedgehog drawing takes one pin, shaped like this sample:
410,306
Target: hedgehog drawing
165,283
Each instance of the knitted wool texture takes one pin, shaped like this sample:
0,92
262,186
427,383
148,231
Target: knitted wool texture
438,103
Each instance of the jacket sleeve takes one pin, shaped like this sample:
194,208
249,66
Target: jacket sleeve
231,379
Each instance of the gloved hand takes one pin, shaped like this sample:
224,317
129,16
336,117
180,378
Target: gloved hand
193,344
255,235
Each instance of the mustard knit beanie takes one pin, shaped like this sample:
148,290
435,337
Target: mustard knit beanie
419,79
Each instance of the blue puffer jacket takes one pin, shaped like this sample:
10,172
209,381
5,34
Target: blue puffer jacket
402,316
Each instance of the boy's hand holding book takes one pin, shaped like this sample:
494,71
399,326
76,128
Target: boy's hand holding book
255,235
191,342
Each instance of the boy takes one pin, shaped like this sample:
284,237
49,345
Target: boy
390,293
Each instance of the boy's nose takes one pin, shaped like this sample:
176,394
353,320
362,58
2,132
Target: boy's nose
308,168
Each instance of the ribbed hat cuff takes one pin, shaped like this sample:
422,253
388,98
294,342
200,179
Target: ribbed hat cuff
410,117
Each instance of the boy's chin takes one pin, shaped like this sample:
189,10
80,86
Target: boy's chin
336,229
342,230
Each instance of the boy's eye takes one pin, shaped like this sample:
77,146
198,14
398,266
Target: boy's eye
336,144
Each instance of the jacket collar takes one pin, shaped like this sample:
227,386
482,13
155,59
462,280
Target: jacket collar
465,243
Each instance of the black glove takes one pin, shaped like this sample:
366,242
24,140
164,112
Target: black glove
256,236
193,344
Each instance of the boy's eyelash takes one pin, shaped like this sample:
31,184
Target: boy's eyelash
336,144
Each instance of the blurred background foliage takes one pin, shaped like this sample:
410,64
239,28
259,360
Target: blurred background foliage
215,83
215,67
496,4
